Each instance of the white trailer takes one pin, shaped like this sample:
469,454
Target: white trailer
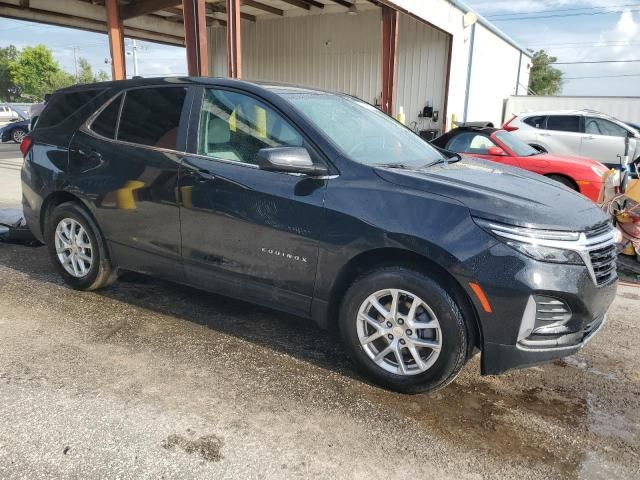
626,109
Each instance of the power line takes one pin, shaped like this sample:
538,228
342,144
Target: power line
603,76
594,61
610,12
610,43
562,10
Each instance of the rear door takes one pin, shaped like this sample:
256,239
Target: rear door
562,134
246,232
127,159
603,141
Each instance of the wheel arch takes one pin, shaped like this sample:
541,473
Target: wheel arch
575,185
391,256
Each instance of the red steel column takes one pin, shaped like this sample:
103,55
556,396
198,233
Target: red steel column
389,48
234,39
195,37
116,40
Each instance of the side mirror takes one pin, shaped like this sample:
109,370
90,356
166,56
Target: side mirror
496,152
289,159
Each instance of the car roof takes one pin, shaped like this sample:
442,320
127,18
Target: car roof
584,111
275,87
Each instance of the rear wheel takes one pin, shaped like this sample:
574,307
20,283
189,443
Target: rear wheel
565,181
403,331
18,135
77,248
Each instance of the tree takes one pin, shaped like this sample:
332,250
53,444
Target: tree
35,71
544,79
85,73
8,92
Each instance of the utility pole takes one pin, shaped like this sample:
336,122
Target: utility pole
75,61
135,58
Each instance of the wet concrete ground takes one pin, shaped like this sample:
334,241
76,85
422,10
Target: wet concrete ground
148,379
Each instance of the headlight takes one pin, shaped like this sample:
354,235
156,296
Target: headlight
598,170
543,245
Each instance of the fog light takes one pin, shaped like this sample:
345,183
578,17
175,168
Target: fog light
552,316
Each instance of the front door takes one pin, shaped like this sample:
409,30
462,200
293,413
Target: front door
563,134
603,141
247,232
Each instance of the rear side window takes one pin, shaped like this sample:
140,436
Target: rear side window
105,123
61,105
563,123
151,116
535,122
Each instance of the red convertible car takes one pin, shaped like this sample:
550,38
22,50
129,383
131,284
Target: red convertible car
581,174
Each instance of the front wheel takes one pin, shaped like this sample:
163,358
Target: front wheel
403,330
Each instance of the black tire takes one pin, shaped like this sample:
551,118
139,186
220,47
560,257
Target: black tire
453,353
539,148
567,182
102,272
18,134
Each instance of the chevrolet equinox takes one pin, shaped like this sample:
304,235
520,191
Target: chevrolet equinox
320,205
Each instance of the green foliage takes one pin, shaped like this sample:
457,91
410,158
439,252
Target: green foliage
544,79
8,91
28,74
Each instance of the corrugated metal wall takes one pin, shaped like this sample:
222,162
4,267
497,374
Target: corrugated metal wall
335,52
341,53
422,70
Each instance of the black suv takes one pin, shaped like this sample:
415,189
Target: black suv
320,205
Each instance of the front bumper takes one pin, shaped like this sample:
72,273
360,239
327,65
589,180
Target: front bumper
509,337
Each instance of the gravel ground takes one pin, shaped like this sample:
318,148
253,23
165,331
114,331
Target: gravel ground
147,379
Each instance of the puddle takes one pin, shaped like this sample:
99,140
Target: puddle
208,446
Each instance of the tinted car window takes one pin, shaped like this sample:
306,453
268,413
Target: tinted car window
563,123
234,127
105,123
470,142
600,126
535,122
516,145
151,116
62,105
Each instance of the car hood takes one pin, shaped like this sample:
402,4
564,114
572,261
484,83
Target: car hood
571,161
503,193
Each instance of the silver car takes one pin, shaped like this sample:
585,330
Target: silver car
577,132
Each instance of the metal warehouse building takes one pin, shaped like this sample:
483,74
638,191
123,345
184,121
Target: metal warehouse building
407,54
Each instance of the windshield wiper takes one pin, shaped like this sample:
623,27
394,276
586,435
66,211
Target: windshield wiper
455,157
391,165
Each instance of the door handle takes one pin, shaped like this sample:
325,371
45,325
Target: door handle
204,175
544,134
588,137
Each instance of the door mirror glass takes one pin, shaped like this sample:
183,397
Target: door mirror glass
288,159
496,151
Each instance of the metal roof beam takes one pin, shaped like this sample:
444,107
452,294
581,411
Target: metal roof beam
262,6
142,7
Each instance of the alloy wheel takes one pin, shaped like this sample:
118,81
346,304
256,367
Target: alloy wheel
399,332
18,135
73,247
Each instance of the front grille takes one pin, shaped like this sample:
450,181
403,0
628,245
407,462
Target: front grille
602,254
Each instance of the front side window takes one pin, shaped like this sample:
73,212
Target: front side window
564,123
516,145
470,142
234,126
362,132
600,126
151,116
105,123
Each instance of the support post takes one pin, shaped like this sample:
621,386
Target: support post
389,48
116,40
195,37
234,39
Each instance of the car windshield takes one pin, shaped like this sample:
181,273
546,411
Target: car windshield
516,145
362,132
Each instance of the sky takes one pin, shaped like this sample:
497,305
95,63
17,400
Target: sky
573,31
